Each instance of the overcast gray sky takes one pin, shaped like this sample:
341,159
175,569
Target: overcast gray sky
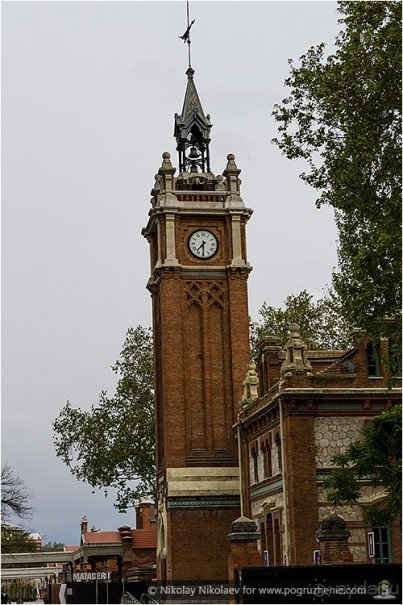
89,91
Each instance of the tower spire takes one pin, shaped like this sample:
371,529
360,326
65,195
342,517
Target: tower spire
192,126
192,131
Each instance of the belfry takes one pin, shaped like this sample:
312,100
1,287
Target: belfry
198,285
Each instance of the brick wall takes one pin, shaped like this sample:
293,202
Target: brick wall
299,445
198,543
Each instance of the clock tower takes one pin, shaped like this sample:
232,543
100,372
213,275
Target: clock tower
198,284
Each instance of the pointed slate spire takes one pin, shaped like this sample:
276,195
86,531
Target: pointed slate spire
192,131
192,99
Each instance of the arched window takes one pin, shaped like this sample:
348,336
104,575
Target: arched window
254,454
279,459
266,457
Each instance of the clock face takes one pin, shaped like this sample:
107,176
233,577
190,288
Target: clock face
203,244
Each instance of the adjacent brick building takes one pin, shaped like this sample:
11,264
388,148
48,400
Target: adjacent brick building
301,408
126,554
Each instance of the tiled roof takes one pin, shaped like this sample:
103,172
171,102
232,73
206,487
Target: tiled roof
101,537
71,548
339,367
144,538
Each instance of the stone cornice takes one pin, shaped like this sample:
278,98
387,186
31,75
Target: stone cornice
308,392
365,401
95,550
172,205
197,272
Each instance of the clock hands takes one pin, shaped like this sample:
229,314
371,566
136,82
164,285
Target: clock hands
202,246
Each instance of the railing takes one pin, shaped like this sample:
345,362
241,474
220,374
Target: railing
128,598
146,598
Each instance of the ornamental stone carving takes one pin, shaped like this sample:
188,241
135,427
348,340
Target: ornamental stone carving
296,359
250,383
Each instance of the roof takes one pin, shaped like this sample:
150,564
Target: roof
141,538
192,113
101,537
339,367
144,538
192,100
71,548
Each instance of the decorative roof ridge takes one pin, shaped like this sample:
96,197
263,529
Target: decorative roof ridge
331,351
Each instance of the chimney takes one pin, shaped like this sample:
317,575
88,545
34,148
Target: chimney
145,514
84,525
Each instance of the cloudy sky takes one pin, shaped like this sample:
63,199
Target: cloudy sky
89,91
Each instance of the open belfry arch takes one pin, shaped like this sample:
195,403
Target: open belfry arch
198,284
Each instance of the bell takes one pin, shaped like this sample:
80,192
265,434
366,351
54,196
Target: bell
194,153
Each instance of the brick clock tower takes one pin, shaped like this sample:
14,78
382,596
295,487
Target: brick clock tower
198,284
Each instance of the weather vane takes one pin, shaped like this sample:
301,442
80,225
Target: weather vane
186,35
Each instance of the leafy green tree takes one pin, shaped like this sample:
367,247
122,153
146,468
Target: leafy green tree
376,458
343,116
112,444
52,547
321,323
16,539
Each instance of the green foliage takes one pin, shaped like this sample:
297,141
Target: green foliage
52,547
376,458
20,589
112,444
321,323
343,116
16,539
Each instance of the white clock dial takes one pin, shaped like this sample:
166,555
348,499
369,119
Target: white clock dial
203,244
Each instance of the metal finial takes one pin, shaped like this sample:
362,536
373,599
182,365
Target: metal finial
186,35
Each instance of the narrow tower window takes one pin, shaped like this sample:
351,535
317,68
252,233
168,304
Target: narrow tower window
373,364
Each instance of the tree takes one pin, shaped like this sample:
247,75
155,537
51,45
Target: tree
14,496
112,444
14,504
376,458
321,323
343,116
53,547
16,539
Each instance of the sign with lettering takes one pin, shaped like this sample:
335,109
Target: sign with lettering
91,576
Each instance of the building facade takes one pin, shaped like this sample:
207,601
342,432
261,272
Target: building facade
300,409
198,284
126,554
